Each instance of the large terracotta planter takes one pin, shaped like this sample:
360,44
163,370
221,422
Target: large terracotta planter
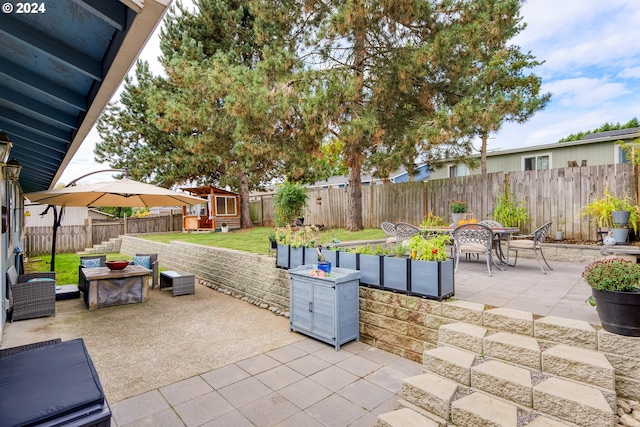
619,312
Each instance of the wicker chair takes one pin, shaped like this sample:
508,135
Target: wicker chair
29,300
532,242
153,258
82,282
473,239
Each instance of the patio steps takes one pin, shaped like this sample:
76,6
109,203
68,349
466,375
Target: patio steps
111,246
479,378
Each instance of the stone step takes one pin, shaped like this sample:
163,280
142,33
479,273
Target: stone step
579,364
548,422
441,422
450,363
479,409
573,402
504,380
462,335
430,392
519,349
509,320
404,417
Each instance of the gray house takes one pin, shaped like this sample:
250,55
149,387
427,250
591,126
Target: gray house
594,149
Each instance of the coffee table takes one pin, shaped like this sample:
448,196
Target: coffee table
106,288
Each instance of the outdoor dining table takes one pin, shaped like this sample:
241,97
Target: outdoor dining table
503,233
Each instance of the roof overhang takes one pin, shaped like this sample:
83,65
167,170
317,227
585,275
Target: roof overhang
59,69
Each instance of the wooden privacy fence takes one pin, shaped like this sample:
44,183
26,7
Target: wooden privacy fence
75,238
555,195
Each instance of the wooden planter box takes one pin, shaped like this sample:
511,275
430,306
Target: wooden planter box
288,257
395,274
370,269
348,260
432,279
282,256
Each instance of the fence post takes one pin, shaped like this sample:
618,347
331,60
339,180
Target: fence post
89,233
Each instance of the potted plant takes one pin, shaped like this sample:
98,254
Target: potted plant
603,210
224,227
288,204
509,211
458,208
273,242
614,285
431,267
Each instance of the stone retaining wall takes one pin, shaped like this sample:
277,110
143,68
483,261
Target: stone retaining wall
247,275
401,324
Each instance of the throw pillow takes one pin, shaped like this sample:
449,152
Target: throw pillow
90,263
144,261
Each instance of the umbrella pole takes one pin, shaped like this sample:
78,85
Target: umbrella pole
57,219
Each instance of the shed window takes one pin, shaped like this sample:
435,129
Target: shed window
540,162
226,206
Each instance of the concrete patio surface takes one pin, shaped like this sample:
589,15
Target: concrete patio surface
213,360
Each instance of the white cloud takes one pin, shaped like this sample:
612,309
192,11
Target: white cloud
630,73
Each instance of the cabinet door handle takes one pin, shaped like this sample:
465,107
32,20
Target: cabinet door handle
310,305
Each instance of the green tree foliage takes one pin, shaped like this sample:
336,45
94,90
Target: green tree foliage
291,88
633,123
500,89
289,203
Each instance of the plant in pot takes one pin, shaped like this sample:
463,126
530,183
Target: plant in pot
614,285
509,211
458,208
289,203
603,210
431,267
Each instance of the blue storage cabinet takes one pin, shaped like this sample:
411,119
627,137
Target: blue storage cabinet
325,308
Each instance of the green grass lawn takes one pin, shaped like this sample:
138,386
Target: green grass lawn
256,240
66,266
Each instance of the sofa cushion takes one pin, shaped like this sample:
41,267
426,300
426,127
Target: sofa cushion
90,263
144,261
48,383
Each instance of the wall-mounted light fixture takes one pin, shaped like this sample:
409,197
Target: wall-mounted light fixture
12,170
5,147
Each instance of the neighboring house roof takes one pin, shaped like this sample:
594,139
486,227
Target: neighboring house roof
204,191
400,174
589,139
60,67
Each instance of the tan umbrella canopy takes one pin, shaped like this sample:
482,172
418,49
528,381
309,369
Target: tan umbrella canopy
120,193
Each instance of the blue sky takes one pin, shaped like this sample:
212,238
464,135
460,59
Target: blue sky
591,51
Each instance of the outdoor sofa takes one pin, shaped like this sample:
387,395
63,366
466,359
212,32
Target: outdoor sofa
31,295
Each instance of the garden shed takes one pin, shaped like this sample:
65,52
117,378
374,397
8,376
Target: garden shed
219,207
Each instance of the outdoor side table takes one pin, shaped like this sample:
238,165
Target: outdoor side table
181,284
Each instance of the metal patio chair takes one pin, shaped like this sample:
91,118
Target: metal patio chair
473,239
531,242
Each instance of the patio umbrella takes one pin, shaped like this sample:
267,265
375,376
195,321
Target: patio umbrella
121,193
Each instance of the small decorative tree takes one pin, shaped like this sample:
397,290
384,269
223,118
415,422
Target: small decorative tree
288,203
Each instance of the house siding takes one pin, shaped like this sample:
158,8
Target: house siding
594,154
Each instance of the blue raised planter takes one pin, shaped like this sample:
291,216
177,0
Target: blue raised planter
432,279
